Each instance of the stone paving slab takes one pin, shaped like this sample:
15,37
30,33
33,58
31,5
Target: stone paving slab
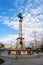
30,61
36,61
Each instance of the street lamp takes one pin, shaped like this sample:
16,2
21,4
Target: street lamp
34,32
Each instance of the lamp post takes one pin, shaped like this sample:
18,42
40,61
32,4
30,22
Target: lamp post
42,40
34,32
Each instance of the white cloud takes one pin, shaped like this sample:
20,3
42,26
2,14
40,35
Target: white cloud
30,23
36,11
10,39
12,24
39,1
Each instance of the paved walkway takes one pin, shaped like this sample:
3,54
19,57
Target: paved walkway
30,61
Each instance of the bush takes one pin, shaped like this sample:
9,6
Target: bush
41,48
28,48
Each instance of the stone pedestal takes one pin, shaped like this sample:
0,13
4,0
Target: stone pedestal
20,43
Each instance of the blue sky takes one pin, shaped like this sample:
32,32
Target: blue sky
32,11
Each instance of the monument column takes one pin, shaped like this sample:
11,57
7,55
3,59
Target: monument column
20,28
20,39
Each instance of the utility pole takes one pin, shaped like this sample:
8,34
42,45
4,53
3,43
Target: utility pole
42,40
34,32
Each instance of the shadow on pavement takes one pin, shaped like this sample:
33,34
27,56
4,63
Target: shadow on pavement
1,61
